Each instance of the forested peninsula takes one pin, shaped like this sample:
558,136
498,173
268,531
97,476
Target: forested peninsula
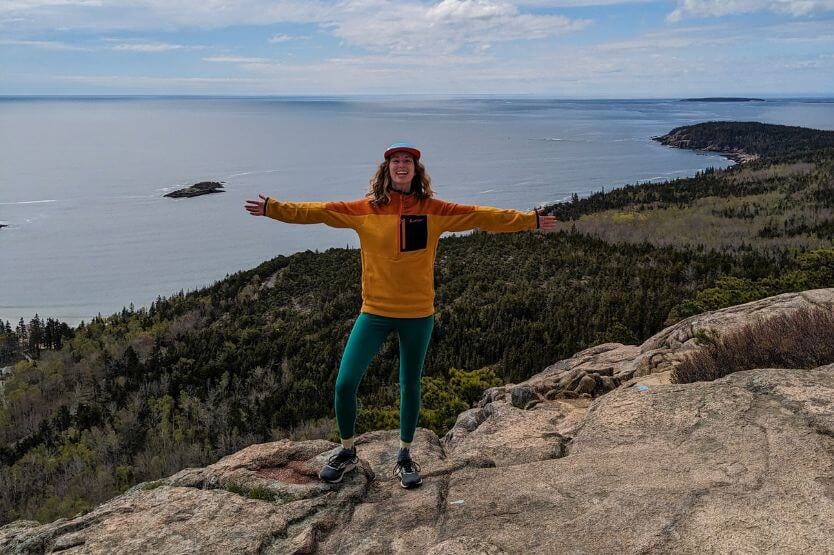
87,412
750,139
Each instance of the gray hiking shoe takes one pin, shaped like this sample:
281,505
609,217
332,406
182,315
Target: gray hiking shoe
407,470
343,461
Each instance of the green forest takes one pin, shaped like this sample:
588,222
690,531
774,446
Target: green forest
87,412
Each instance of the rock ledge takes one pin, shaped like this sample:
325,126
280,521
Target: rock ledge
598,453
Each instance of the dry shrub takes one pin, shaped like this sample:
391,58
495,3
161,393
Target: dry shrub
316,428
183,324
801,339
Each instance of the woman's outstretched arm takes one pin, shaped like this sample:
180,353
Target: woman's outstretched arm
334,214
462,217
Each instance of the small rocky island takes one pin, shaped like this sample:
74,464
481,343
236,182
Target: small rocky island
201,188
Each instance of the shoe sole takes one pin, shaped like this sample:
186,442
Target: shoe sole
418,484
347,469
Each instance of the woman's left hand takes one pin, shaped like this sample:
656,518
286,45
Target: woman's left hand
547,224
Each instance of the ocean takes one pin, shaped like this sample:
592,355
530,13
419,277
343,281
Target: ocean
82,179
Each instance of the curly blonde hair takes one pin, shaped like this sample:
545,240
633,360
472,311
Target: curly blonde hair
380,184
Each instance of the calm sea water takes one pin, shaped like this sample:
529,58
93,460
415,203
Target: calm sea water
82,179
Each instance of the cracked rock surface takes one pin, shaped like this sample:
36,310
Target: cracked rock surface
741,464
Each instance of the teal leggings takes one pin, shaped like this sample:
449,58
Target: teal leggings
366,337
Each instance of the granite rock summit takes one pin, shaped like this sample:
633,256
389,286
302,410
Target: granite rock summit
598,453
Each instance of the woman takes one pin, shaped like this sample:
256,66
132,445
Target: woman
399,224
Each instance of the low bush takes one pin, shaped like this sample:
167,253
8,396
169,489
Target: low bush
801,339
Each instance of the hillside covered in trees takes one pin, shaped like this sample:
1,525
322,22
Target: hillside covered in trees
783,203
87,412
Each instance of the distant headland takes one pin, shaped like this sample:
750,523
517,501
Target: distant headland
723,99
744,141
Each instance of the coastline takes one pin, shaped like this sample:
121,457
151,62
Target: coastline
679,138
74,320
734,156
738,156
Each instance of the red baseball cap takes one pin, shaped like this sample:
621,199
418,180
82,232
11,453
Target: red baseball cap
402,147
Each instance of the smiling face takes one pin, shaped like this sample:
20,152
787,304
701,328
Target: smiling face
401,170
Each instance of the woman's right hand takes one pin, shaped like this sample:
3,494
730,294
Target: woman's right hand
257,207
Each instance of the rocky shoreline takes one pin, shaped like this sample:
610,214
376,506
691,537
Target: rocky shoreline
680,139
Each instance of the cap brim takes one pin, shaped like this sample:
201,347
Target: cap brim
413,151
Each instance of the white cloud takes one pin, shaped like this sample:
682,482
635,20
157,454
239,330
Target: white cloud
718,8
282,37
799,32
121,46
44,44
803,40
452,46
378,25
465,10
15,5
572,71
148,47
575,3
445,27
823,61
400,60
153,83
236,60
678,38
684,61
160,14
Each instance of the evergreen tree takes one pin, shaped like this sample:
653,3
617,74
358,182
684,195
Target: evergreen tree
35,336
22,335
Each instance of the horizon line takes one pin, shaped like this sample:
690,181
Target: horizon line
753,97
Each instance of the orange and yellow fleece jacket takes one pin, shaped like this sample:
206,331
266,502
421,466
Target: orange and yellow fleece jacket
398,242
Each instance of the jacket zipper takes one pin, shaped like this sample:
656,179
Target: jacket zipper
400,230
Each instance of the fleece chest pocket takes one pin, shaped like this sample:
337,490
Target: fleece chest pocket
414,232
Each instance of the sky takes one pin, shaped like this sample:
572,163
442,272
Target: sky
558,48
